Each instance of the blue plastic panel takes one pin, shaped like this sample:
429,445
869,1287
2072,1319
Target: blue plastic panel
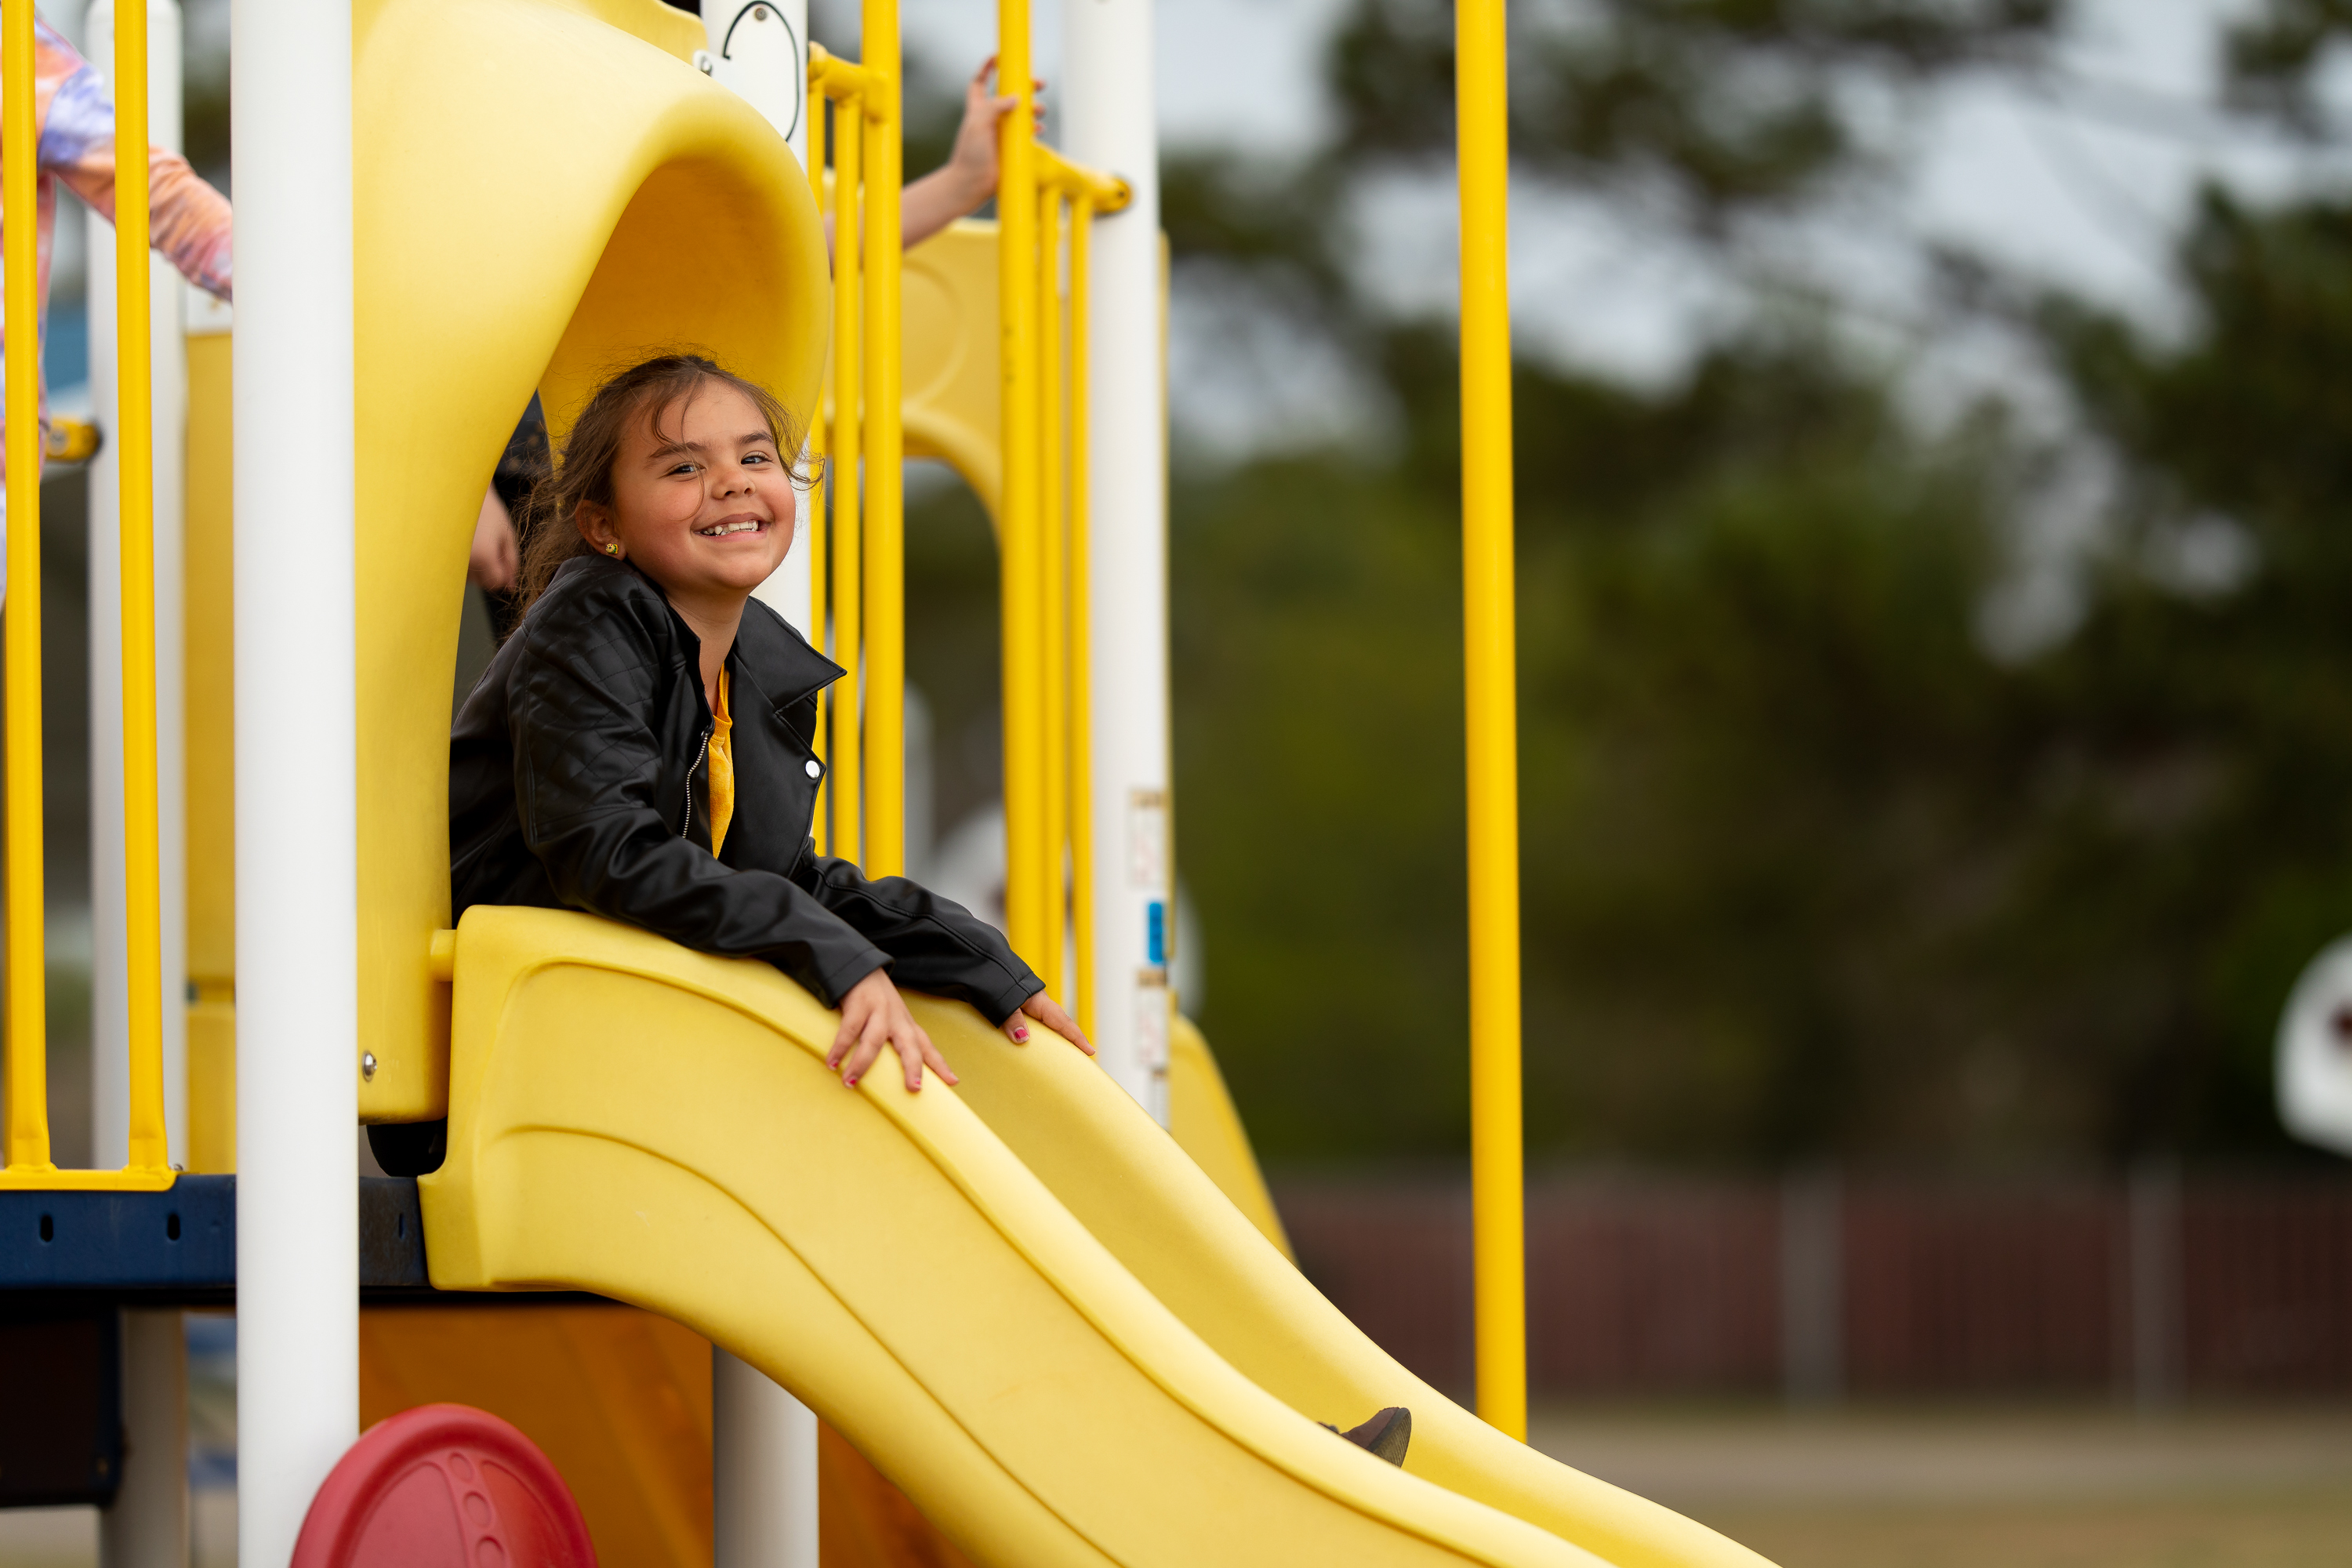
174,1242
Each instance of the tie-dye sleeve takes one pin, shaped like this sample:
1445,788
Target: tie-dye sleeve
188,220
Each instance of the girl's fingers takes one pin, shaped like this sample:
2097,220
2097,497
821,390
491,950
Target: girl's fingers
1016,1030
914,1049
863,1039
843,1037
855,1067
1055,1016
875,1036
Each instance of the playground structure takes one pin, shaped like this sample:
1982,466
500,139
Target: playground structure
1067,1337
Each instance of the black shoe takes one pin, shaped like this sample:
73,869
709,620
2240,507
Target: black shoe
1386,1435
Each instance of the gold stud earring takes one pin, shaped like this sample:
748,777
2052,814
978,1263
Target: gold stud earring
612,550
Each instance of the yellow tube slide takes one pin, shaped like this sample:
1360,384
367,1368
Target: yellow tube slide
1019,1299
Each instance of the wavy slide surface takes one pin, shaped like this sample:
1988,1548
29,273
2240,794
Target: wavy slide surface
1019,1299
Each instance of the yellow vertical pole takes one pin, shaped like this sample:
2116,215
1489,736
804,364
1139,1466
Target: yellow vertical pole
135,459
1081,651
813,522
886,506
1053,620
1017,237
848,412
27,1043
1498,1194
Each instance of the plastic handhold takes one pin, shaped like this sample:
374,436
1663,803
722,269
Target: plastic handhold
444,1486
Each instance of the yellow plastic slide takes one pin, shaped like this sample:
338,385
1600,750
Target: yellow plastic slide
1018,1299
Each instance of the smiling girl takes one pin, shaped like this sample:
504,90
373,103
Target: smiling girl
640,748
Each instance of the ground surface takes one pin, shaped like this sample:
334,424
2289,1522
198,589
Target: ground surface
2073,1488
2095,1488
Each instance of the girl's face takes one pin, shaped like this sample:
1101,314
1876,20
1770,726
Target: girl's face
701,500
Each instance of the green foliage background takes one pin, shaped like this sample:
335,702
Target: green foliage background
1808,872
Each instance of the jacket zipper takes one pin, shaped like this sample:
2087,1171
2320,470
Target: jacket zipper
688,829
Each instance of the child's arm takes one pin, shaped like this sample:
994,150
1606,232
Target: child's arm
959,186
188,220
963,185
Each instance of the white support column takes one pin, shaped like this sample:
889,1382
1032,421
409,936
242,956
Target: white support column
759,49
148,1525
1106,104
297,827
763,1470
110,999
763,1502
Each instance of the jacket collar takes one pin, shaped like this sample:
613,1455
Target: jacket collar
779,659
776,657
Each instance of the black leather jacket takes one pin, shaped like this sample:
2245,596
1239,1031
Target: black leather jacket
577,780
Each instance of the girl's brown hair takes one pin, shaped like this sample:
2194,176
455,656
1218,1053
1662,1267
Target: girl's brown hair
583,470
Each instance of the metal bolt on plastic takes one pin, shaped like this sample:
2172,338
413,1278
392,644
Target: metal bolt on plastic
367,1064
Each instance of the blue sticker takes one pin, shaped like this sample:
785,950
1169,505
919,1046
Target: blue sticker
1155,933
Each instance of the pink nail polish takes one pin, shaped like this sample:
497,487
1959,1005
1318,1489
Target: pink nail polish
1019,1033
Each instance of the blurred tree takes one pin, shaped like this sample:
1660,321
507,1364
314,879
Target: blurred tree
2273,56
1807,871
1718,106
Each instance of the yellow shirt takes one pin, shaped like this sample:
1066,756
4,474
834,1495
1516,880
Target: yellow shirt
722,769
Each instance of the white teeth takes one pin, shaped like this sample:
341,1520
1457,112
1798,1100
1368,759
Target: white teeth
725,529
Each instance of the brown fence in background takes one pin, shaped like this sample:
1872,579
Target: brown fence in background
2150,1285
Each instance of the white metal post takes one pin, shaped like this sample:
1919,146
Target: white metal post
296,735
148,1525
110,998
759,48
763,1470
764,1441
1107,105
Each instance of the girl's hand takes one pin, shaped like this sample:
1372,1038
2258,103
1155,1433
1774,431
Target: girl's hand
958,188
974,162
495,558
872,1016
1048,1012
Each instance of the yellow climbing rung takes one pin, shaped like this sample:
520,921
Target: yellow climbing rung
857,589
28,1161
1043,198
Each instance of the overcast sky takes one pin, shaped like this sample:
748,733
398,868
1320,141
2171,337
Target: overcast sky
2079,178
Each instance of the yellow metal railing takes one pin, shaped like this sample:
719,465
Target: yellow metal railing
856,572
28,1161
1489,656
1046,210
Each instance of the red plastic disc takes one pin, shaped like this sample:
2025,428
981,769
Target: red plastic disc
444,1486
